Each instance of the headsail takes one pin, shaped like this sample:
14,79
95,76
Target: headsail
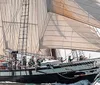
85,11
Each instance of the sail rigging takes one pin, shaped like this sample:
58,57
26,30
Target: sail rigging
29,29
11,24
65,33
82,11
48,28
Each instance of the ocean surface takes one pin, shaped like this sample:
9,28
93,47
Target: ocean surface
82,82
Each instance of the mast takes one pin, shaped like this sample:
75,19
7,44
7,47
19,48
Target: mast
23,32
53,51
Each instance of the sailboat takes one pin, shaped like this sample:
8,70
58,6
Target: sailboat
29,26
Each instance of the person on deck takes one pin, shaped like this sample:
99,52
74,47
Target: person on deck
24,61
82,58
31,62
9,65
19,64
39,62
70,59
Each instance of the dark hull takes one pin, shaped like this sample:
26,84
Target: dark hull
53,78
48,78
65,73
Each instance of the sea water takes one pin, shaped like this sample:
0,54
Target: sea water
82,82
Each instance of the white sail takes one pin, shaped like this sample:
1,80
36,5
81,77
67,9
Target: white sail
65,33
38,18
90,6
11,13
1,38
48,30
85,11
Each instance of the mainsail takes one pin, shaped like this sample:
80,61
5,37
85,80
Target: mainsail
85,11
59,24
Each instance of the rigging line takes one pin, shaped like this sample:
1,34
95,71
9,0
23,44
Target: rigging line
11,8
98,2
4,37
43,32
63,75
64,31
31,44
78,48
58,29
13,26
38,36
35,21
57,36
45,24
58,52
13,35
17,26
18,22
32,12
70,31
10,38
76,4
13,18
71,42
83,36
33,30
15,14
5,13
75,12
1,42
97,31
88,4
78,13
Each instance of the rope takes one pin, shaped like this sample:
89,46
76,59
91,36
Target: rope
97,76
62,75
13,19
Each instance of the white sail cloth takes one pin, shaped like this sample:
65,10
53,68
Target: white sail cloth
11,13
48,30
85,11
65,33
11,19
